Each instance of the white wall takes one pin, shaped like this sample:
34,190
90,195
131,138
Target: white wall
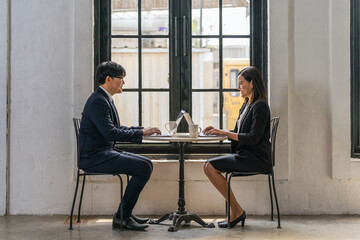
42,103
3,100
83,57
51,78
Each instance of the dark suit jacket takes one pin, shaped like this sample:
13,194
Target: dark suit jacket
254,134
99,130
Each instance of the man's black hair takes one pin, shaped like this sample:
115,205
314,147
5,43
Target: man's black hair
109,68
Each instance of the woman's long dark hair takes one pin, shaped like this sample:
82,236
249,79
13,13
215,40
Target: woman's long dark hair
253,74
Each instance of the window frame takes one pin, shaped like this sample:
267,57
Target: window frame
355,77
181,99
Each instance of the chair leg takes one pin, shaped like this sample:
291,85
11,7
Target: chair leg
228,203
121,200
127,183
226,178
276,201
73,204
271,200
81,196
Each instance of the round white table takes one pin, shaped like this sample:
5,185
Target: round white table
181,214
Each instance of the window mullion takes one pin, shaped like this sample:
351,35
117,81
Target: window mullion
355,79
221,70
184,56
175,61
140,63
258,36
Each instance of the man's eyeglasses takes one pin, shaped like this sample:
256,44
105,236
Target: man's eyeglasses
121,78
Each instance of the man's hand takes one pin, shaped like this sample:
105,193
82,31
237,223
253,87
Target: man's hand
150,131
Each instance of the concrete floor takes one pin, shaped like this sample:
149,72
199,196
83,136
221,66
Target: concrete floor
256,227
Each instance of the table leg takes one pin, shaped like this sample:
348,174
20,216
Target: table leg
167,216
181,215
181,200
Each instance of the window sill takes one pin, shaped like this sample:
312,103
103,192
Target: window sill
172,149
354,169
175,157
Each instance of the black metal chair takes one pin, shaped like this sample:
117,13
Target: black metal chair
83,173
273,128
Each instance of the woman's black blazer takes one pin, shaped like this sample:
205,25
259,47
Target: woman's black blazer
254,134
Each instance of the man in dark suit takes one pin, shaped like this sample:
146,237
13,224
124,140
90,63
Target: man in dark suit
99,130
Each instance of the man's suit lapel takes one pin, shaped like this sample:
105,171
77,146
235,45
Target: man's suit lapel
114,113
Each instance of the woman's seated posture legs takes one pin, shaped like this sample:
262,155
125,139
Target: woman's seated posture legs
220,183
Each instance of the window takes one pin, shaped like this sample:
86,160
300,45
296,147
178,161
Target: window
181,55
355,78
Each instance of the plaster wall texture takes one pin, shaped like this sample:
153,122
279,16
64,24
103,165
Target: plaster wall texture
340,62
309,115
83,57
278,75
3,100
52,52
42,101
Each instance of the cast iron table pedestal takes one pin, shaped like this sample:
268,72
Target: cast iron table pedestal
181,215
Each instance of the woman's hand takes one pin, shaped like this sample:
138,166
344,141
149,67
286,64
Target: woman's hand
216,132
207,129
212,130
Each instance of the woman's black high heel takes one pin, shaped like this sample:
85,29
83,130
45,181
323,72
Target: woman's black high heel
222,222
234,222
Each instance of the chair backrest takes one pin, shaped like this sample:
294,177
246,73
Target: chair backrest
273,130
77,127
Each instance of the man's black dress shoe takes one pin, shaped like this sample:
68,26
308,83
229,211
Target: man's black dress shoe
128,223
139,219
224,224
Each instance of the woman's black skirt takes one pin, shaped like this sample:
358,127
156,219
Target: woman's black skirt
243,161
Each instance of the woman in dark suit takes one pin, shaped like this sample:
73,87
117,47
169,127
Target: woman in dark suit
249,140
